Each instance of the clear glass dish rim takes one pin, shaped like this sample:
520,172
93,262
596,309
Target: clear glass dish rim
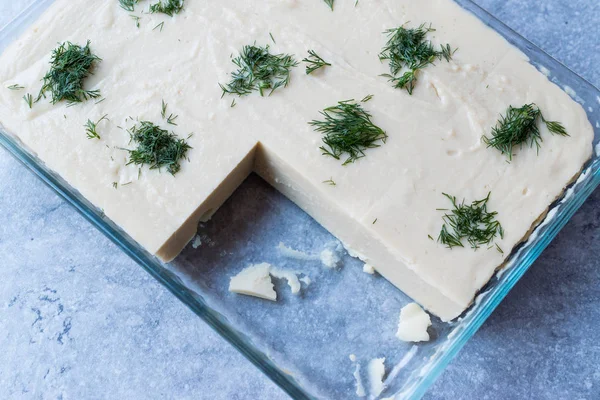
479,313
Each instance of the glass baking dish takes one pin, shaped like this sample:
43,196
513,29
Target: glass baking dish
303,342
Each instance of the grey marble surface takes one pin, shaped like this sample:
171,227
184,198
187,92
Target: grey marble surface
79,320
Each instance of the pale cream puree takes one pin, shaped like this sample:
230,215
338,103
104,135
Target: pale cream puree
434,142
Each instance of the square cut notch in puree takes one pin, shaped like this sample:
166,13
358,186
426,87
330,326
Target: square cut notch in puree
434,143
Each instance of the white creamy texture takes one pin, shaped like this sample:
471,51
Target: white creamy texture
306,280
369,269
376,372
330,259
413,324
254,280
290,276
434,141
197,242
360,388
294,254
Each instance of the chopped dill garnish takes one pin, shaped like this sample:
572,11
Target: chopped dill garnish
90,128
115,184
499,249
163,112
330,182
408,52
15,87
157,147
259,70
314,62
100,101
233,103
374,221
28,99
161,25
169,7
136,19
272,38
171,119
520,126
69,66
128,5
329,3
163,109
348,129
471,222
430,237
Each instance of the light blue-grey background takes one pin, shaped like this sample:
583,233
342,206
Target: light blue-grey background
80,320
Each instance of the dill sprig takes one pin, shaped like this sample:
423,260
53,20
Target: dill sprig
136,19
348,129
157,147
314,62
329,3
69,66
90,128
169,7
163,109
472,222
16,86
259,70
128,5
330,182
408,52
163,112
28,99
520,126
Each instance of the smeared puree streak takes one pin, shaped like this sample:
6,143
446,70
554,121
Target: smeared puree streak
434,136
